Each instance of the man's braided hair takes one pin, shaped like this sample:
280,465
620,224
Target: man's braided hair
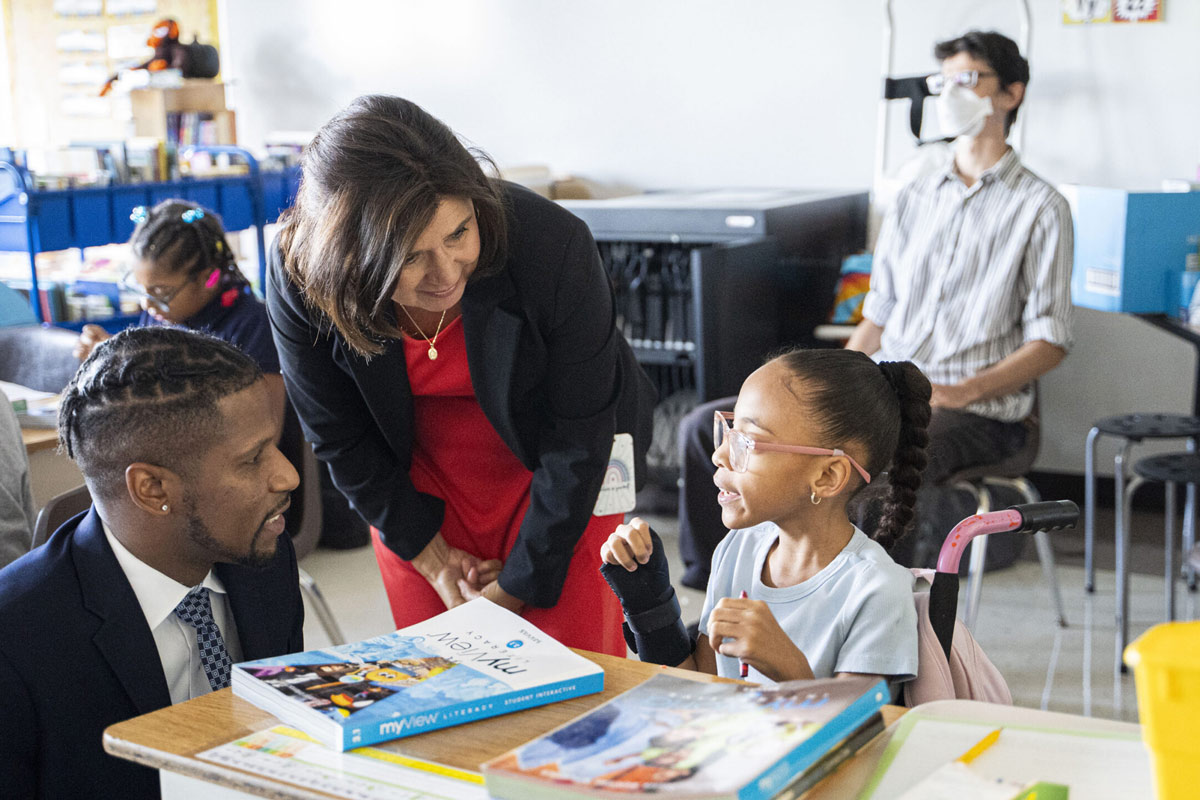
150,395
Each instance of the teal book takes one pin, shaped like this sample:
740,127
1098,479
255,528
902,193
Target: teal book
672,737
474,661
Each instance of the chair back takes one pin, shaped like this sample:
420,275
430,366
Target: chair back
40,358
304,518
59,510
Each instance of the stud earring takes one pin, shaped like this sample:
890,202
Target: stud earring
816,501
166,507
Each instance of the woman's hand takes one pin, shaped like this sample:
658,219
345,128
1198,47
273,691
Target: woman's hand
449,570
629,546
89,337
493,592
747,630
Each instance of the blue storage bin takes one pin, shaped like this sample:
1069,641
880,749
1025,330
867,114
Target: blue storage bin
1131,247
92,214
69,218
234,205
203,194
124,200
54,220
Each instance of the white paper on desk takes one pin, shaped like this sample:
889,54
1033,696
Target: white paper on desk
364,774
15,391
1093,765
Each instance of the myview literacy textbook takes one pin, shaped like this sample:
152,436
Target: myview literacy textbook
678,738
474,661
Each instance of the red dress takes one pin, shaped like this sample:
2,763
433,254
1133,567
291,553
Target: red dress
458,456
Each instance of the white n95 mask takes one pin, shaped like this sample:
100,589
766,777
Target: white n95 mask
961,112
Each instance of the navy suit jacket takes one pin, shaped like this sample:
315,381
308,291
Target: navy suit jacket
551,371
76,656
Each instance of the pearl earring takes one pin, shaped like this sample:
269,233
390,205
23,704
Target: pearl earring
166,507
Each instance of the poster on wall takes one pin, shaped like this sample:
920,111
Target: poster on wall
128,8
127,42
1137,10
79,42
1092,12
78,8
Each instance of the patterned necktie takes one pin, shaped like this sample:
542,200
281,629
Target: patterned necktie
196,610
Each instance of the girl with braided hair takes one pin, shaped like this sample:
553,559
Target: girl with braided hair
185,274
796,590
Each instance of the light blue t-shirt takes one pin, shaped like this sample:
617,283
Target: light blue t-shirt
855,615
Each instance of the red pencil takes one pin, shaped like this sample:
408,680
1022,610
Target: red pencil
744,670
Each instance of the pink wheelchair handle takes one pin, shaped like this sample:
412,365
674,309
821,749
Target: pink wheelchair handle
1029,518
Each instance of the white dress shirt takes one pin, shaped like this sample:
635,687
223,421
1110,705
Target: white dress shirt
963,276
175,639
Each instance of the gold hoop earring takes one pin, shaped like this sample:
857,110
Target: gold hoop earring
816,501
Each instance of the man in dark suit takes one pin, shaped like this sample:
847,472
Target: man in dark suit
178,570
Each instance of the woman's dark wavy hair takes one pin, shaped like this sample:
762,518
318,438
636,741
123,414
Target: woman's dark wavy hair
373,176
881,410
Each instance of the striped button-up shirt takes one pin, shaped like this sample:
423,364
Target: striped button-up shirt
963,276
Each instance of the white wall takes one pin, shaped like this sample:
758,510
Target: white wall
688,93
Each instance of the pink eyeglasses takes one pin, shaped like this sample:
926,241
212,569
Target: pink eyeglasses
741,445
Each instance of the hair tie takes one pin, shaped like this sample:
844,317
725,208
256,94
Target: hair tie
192,214
138,215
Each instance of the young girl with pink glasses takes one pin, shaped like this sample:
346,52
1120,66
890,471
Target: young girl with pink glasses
796,590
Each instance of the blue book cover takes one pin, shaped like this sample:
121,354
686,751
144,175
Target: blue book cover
681,738
474,661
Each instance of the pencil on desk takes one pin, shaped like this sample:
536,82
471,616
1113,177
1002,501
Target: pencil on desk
980,746
744,668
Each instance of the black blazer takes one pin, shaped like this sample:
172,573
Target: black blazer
76,656
550,370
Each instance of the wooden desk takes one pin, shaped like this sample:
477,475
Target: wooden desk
38,439
169,739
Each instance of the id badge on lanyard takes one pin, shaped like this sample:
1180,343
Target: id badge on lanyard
617,492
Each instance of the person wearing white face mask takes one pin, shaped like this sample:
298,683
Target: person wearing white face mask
971,274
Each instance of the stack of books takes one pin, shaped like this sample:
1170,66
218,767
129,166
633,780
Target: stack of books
681,738
474,661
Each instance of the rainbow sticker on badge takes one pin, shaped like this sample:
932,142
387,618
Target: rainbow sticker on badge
618,494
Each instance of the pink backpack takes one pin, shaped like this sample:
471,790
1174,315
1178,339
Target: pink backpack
966,675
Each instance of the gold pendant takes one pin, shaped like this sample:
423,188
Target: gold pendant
432,353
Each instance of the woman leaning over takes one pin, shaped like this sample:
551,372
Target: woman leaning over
448,341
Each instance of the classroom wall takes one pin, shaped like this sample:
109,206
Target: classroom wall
691,93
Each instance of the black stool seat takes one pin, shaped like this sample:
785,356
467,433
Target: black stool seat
1150,426
1170,468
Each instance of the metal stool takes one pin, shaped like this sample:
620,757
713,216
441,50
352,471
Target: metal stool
1133,429
1168,470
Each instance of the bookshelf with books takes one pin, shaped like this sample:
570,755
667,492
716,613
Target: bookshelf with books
37,220
188,115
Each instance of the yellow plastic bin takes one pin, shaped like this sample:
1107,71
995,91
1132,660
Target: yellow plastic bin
1166,660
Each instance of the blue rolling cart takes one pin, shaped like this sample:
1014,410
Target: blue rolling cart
35,221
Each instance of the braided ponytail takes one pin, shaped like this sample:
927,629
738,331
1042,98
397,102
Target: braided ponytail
904,478
879,412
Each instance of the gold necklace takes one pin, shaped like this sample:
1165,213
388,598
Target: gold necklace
433,341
